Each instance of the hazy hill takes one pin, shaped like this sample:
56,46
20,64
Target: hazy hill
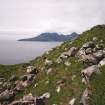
52,37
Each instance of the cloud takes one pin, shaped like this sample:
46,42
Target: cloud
63,16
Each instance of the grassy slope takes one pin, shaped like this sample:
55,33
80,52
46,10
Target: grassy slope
71,88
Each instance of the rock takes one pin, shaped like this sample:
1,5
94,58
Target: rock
48,62
46,95
49,71
61,81
95,39
85,99
89,44
73,77
100,46
19,86
72,101
67,63
64,55
36,84
72,51
29,97
88,51
47,82
102,62
7,95
13,78
99,55
40,101
89,59
88,72
58,89
32,70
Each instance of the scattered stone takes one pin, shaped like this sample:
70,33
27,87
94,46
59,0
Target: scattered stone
72,101
73,77
88,51
7,95
72,51
49,71
67,63
85,99
95,39
89,44
58,89
46,95
102,62
28,97
32,70
48,62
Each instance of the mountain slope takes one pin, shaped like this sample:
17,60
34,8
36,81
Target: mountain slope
61,79
52,37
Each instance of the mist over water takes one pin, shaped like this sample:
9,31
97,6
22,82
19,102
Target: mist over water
14,52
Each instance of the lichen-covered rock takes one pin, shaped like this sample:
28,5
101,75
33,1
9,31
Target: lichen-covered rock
102,62
72,101
88,72
89,44
7,95
85,99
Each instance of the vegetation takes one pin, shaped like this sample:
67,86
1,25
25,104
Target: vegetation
71,88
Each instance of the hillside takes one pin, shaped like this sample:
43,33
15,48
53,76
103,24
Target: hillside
52,37
70,74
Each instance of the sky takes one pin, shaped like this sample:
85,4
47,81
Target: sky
28,18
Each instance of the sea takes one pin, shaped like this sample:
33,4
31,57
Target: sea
16,52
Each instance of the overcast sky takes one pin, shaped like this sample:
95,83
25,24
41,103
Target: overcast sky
32,17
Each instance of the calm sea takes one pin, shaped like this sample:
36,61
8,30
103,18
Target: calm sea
14,52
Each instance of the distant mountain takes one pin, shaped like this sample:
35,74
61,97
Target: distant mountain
52,37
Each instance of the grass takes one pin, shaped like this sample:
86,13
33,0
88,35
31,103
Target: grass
71,88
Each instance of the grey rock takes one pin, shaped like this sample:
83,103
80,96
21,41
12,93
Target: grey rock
89,44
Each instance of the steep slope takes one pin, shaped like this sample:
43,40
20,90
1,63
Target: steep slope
59,79
52,37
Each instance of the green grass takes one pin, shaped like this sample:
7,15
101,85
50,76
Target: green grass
71,88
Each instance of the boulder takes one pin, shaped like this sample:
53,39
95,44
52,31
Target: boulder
85,99
29,97
90,59
32,70
7,95
89,44
88,72
72,51
100,46
99,55
88,51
